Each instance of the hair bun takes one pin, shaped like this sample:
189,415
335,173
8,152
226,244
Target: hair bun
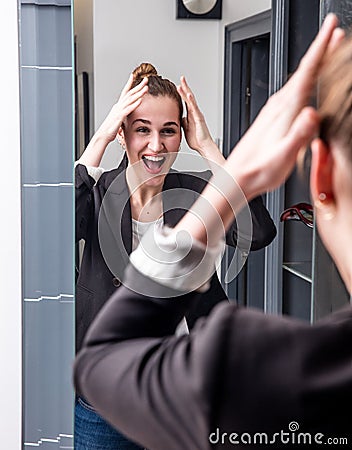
144,70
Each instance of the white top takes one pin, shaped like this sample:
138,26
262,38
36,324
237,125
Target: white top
140,228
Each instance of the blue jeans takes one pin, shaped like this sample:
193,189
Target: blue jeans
93,433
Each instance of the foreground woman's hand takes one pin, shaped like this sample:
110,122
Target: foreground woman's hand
267,153
269,149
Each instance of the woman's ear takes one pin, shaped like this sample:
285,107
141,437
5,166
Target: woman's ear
121,137
321,184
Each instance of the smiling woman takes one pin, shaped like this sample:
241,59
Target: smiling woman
114,209
152,135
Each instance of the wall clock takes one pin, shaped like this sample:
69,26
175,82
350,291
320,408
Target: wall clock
199,9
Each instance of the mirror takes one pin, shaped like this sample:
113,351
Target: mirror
123,35
114,44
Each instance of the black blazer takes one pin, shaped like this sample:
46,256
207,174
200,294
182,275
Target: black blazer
103,220
239,372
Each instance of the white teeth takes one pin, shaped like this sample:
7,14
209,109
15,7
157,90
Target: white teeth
154,158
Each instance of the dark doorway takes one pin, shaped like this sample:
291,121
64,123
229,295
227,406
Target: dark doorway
247,58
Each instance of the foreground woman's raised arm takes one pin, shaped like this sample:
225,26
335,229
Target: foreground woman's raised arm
206,389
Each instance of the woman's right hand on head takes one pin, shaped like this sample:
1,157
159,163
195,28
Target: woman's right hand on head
128,101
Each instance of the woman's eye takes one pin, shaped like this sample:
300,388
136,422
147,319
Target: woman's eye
168,131
142,130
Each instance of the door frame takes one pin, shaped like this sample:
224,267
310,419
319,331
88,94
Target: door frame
250,28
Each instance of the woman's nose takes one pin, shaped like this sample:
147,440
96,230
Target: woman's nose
155,144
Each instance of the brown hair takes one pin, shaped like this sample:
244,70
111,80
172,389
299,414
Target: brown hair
156,84
335,94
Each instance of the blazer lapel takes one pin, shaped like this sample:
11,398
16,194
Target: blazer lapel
177,199
115,225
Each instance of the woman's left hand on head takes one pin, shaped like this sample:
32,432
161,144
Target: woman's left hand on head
196,131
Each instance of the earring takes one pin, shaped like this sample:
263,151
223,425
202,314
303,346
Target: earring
122,144
324,205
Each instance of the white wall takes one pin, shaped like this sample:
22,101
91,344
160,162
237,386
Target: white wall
234,10
10,236
127,32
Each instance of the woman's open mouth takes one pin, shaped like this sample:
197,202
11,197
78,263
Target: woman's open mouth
153,163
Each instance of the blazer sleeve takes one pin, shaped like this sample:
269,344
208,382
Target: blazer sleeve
263,228
84,202
158,389
136,373
169,392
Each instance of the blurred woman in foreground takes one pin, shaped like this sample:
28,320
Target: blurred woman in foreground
241,377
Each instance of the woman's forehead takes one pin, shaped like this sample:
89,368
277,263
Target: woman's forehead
156,109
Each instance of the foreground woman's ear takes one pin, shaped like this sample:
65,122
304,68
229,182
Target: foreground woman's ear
321,181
